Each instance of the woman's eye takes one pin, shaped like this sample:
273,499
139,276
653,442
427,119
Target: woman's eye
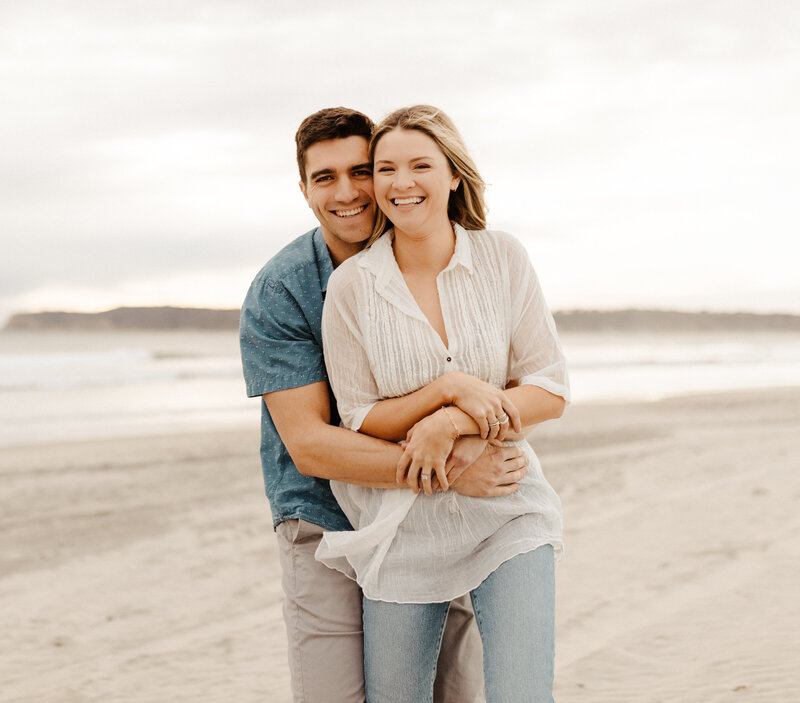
385,169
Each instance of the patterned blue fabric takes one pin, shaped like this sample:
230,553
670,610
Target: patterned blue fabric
281,345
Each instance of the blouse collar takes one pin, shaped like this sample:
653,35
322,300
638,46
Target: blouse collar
379,258
389,282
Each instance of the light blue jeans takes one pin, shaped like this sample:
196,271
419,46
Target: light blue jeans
515,611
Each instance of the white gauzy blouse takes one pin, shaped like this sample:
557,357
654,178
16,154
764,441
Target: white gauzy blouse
409,548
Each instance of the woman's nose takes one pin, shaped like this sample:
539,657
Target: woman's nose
403,179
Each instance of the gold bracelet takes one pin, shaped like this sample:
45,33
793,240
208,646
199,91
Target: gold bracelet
452,422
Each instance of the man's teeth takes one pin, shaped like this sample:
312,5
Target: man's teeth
350,213
407,201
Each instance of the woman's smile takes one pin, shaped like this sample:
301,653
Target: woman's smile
413,181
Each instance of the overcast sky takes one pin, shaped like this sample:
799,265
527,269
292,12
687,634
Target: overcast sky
646,152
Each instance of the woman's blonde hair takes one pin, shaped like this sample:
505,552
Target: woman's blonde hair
466,206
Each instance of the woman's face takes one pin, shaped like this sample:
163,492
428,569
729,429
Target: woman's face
412,181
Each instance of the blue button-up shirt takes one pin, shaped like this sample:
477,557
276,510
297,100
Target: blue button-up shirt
281,343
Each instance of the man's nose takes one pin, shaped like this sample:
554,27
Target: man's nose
346,190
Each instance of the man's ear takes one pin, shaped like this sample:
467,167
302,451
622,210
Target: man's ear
303,189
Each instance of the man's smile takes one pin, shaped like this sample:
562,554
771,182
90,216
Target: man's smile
350,213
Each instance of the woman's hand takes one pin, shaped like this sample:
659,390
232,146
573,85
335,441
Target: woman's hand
428,444
490,407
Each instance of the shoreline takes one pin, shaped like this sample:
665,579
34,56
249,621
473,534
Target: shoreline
145,568
244,428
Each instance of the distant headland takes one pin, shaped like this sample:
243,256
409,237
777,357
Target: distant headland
632,320
159,318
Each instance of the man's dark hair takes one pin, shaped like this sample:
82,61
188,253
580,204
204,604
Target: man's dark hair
330,123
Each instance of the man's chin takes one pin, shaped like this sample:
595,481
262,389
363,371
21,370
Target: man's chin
356,237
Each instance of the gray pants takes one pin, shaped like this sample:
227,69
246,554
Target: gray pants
322,610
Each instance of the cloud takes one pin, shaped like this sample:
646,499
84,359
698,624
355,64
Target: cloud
147,142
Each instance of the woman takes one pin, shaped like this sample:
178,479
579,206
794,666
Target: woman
435,295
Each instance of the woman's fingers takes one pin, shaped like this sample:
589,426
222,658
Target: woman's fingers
508,417
428,473
402,466
426,476
441,474
511,412
505,423
413,478
494,417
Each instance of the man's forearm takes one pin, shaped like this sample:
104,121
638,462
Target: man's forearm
340,454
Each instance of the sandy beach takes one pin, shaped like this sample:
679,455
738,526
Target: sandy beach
146,569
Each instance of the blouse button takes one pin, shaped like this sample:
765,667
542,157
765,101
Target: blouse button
449,359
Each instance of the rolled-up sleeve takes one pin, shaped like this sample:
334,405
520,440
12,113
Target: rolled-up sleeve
346,356
535,355
278,348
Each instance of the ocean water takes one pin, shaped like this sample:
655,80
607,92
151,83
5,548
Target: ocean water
78,385
58,386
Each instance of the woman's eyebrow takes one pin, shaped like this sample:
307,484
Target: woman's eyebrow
416,158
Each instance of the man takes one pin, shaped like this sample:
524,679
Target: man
302,446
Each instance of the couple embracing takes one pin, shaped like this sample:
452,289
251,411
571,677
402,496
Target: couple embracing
403,493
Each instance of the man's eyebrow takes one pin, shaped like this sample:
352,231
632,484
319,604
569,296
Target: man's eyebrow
321,172
360,167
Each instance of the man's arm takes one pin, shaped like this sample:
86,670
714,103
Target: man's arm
302,418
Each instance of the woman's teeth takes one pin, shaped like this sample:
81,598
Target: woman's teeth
407,201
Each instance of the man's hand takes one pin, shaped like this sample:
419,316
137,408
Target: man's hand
496,472
466,451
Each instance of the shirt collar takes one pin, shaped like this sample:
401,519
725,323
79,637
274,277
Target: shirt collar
389,282
379,258
462,254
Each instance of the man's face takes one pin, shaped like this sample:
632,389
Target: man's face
338,189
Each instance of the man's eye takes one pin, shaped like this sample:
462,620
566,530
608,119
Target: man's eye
363,172
322,179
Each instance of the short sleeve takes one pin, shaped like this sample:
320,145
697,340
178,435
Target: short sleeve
535,355
278,346
346,356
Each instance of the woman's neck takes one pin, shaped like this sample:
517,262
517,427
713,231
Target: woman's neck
424,253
